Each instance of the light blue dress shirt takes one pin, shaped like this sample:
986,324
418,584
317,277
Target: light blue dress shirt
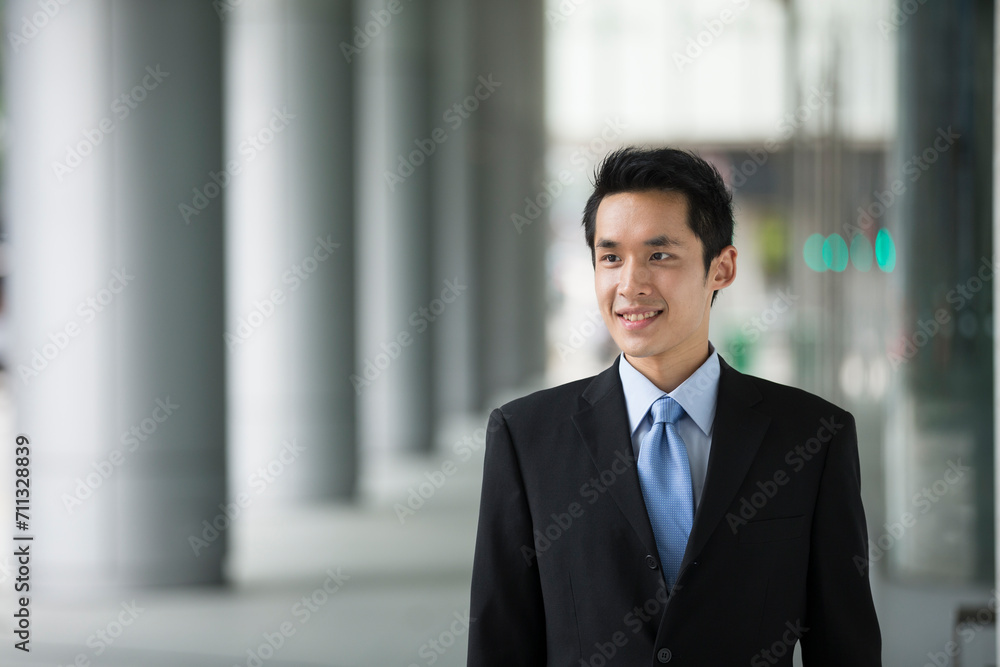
697,395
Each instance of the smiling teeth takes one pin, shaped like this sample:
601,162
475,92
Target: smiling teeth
644,316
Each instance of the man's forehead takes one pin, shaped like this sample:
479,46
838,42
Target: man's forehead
661,213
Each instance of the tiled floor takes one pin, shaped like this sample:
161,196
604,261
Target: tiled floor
326,586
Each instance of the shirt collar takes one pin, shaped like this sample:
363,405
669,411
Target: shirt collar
697,394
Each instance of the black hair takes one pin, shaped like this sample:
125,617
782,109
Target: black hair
632,169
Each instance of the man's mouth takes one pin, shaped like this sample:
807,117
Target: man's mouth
636,320
637,317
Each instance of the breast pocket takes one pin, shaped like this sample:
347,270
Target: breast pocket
773,530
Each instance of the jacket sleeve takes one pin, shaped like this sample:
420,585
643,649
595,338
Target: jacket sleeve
507,619
842,625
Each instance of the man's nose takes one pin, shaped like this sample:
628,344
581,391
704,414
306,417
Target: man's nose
634,279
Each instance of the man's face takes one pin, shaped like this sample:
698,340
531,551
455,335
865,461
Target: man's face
649,273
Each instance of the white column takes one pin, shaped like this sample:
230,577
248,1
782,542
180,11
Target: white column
396,156
290,319
116,303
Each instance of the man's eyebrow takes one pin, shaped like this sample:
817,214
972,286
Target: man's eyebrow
656,242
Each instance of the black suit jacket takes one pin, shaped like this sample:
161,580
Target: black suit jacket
566,570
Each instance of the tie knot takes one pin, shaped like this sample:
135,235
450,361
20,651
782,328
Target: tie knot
666,409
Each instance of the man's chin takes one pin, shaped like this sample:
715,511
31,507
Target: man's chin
633,351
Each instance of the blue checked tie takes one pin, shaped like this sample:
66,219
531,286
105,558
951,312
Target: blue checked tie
665,477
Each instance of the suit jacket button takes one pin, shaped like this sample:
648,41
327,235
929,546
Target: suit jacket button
664,655
650,561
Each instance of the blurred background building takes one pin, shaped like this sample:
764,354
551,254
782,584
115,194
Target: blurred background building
267,265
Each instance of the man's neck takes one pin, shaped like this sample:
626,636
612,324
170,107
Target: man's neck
668,372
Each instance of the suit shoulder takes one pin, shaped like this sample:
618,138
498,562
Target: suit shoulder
561,400
788,396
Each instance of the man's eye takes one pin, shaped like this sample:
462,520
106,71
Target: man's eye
609,258
664,255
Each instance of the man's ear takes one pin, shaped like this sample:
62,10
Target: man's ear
722,272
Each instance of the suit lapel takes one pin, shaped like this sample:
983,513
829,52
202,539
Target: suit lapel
603,424
737,432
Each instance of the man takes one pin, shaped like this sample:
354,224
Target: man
670,510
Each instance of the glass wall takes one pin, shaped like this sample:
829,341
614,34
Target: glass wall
857,137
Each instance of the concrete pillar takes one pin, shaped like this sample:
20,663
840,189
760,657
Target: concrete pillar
117,355
291,319
397,313
996,290
453,232
944,239
508,167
